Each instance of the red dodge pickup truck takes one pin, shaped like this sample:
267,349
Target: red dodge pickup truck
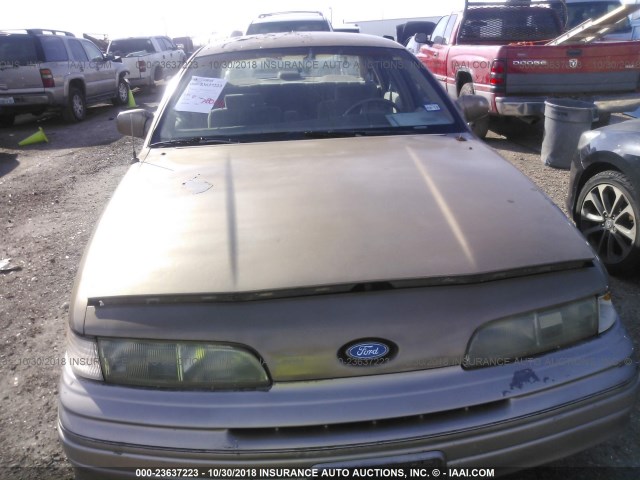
498,50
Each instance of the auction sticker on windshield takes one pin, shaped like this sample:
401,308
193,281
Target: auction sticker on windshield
200,95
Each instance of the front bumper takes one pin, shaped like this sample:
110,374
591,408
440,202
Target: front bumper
516,416
534,106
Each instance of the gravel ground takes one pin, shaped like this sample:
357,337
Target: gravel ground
52,194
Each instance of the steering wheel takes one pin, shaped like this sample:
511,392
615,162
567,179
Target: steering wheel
367,101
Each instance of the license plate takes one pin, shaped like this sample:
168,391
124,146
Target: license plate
6,101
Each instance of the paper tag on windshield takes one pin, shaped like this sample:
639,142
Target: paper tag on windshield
432,107
200,95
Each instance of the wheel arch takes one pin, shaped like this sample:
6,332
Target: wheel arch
76,83
462,76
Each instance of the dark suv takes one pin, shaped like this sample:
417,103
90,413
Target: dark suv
44,70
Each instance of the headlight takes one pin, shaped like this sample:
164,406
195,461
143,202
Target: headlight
180,365
82,356
533,333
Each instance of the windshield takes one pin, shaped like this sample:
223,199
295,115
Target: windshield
305,92
131,47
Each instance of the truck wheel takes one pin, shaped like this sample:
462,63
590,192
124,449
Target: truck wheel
153,77
76,109
158,74
122,97
479,127
607,213
7,120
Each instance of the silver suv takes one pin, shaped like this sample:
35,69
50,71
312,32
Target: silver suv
293,21
44,70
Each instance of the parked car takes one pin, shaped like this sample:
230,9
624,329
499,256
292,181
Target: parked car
346,28
185,44
406,34
604,194
43,70
149,59
498,50
315,263
406,31
292,21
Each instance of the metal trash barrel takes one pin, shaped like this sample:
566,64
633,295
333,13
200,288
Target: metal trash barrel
565,120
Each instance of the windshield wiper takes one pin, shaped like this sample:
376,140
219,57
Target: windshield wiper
333,133
178,142
364,132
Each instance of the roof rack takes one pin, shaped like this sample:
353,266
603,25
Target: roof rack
47,31
264,15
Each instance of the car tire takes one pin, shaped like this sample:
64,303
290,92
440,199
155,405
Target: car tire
76,109
608,215
122,97
481,126
7,120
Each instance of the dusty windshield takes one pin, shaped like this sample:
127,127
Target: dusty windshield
302,92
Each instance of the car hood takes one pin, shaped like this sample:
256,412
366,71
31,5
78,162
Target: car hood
281,216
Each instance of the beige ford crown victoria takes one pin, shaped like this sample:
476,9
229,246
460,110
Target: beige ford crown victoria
315,264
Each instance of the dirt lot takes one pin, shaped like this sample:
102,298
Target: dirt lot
51,195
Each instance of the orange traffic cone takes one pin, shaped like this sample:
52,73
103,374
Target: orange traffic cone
37,137
132,101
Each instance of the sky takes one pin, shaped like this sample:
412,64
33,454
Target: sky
202,19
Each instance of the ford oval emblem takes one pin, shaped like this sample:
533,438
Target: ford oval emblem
367,352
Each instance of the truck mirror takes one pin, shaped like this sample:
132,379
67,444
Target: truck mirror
134,123
421,38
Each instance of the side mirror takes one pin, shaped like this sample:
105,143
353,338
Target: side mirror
109,57
421,38
473,107
134,123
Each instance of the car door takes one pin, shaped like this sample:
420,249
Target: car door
171,56
436,53
428,54
80,65
103,79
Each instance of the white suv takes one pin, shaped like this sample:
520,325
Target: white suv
293,21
